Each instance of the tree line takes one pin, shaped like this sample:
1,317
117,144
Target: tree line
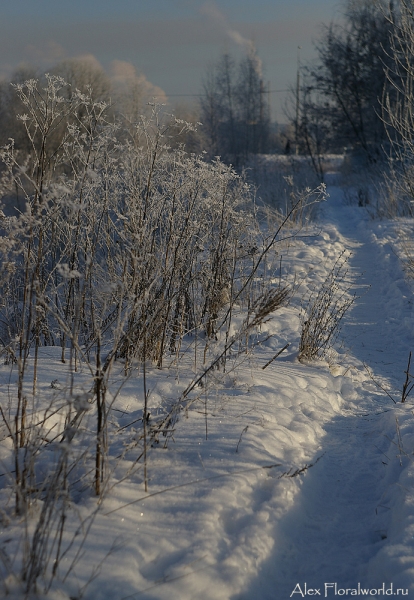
341,104
341,98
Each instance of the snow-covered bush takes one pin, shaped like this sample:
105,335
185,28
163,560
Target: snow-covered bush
283,183
125,248
323,314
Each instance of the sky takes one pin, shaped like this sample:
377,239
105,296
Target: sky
168,43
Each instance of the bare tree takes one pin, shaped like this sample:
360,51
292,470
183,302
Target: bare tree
349,77
85,74
397,105
253,110
234,109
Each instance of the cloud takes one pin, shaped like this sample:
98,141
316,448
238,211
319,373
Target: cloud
211,10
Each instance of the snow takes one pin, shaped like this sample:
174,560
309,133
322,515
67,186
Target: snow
306,475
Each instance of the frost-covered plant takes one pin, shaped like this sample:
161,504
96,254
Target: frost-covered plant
279,179
124,246
125,249
323,314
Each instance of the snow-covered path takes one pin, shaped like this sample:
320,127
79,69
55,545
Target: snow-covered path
332,531
379,328
339,521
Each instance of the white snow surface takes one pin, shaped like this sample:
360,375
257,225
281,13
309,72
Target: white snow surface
231,517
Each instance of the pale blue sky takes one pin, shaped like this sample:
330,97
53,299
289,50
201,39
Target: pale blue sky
171,42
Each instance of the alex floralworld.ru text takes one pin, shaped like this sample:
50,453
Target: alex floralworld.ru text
332,589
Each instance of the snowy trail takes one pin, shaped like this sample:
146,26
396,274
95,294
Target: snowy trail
332,530
379,328
336,525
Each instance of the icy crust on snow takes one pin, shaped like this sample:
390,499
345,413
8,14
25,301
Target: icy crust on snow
303,475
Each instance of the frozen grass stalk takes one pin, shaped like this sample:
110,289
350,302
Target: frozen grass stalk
323,314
